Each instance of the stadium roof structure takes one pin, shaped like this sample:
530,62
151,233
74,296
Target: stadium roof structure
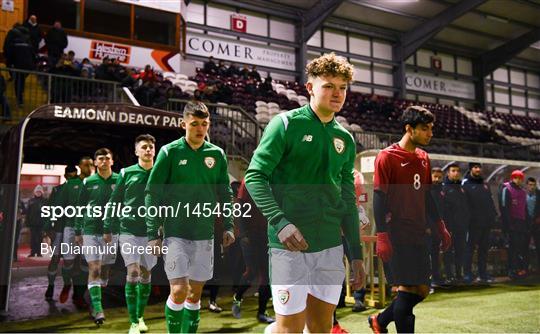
61,134
491,32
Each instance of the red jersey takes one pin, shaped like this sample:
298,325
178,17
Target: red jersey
359,187
405,178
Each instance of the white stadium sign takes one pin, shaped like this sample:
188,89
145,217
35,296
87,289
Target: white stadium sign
439,86
240,51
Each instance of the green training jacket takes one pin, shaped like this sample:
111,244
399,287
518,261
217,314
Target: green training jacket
302,173
191,182
129,193
95,192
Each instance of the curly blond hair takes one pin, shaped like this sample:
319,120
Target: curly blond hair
330,64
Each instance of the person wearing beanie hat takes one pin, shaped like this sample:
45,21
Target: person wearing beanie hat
33,220
483,213
514,216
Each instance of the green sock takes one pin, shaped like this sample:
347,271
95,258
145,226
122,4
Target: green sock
143,292
173,318
95,297
190,324
131,301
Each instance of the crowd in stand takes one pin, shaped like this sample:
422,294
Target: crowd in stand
218,87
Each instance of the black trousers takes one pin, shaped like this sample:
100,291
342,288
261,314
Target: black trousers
435,248
517,251
35,240
454,258
535,234
477,239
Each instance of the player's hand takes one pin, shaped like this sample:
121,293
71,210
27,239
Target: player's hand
363,217
228,238
292,239
358,278
156,246
107,237
384,246
79,240
50,234
444,235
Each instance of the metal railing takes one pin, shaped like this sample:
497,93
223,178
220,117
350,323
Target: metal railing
233,129
27,90
377,140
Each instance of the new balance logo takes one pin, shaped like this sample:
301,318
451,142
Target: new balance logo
182,162
308,138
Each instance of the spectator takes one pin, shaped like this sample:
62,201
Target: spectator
533,215
72,60
456,215
222,69
86,64
35,32
6,111
148,74
119,72
435,242
254,74
250,87
103,71
146,93
14,34
232,71
209,90
514,216
198,95
483,213
34,222
129,81
65,66
23,58
245,72
223,93
265,88
210,66
21,209
56,41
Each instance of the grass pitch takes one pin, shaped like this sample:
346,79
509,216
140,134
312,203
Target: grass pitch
493,309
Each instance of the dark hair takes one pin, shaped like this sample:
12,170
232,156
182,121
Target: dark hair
531,179
102,151
415,115
196,109
453,165
474,164
84,158
436,169
146,137
70,169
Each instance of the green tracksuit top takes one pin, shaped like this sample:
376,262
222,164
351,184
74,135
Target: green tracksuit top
54,200
70,197
129,192
302,173
95,192
185,177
